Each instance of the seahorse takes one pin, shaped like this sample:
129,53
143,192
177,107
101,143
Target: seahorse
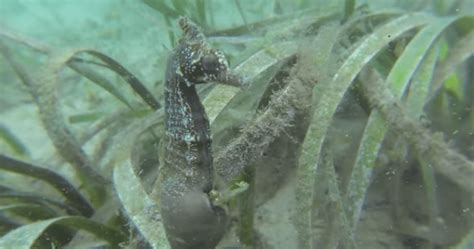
189,217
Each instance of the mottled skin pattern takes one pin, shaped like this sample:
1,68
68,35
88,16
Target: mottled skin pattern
190,219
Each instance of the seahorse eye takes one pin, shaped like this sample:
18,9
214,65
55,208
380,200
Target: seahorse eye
210,63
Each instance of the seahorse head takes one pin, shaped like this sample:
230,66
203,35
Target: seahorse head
198,62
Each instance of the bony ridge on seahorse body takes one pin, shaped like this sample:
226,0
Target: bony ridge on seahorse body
190,219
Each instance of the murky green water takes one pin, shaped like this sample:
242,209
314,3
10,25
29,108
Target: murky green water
353,126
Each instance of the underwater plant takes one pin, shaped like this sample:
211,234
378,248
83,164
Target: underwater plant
351,126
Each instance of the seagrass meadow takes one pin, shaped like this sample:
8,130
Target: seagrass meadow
266,124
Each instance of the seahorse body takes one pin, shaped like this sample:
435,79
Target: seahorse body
190,220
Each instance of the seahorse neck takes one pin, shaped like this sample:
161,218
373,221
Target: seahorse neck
186,118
